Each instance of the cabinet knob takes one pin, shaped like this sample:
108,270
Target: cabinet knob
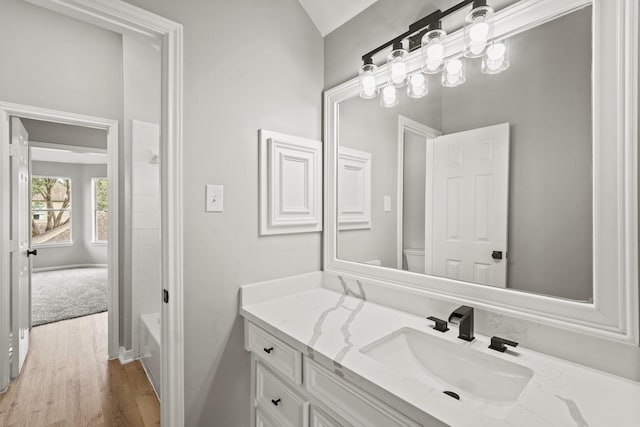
268,350
276,402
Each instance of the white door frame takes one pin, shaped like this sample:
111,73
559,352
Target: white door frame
8,110
124,18
407,124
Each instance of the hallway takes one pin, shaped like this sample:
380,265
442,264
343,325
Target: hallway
67,381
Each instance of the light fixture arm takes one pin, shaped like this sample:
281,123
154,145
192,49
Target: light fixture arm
420,27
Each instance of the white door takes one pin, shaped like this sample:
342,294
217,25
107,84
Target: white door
21,245
470,187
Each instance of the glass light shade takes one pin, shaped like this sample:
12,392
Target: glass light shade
389,96
418,86
453,73
478,31
397,67
433,51
496,58
368,87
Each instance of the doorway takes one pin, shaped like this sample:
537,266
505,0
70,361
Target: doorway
17,232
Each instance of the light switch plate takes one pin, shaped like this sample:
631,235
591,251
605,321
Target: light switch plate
387,203
214,198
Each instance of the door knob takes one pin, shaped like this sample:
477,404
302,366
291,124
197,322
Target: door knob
496,254
32,252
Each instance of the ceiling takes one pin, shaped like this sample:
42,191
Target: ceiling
327,15
67,156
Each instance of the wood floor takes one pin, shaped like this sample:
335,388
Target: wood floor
68,381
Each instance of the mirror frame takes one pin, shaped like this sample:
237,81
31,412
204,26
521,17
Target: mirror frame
614,312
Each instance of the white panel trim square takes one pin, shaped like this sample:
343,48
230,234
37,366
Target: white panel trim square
354,193
290,184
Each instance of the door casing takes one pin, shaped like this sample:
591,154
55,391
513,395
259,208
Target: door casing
125,18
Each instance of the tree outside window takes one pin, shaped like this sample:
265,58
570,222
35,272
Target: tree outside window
51,210
100,210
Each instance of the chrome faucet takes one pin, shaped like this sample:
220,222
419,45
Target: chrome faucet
463,317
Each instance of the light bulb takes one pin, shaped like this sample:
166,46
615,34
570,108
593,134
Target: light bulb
397,65
435,52
389,97
479,31
398,72
389,93
496,51
496,58
417,80
476,48
368,88
417,86
454,66
369,83
454,73
433,49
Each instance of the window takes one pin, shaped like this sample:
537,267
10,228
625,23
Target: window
100,209
50,210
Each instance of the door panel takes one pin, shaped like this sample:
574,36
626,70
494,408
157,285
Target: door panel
21,239
470,203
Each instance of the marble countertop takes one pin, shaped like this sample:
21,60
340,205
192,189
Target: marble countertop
331,327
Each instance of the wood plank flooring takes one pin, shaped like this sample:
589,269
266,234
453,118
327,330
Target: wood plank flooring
68,381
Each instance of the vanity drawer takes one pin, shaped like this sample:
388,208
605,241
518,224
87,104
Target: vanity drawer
320,419
264,420
350,402
279,400
275,353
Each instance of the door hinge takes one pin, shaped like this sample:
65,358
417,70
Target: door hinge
13,150
165,296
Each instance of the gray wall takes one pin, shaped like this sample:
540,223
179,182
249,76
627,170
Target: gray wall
549,111
141,101
82,251
236,82
366,126
53,61
56,133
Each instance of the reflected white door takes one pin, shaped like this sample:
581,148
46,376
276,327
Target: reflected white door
21,245
470,183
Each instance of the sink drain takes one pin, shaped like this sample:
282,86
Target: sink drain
452,394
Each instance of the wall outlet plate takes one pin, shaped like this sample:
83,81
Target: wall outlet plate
214,195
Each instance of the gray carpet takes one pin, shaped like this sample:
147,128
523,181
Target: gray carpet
65,294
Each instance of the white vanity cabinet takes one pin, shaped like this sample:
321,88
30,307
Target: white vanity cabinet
291,390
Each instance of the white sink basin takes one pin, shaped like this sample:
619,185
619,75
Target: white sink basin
480,379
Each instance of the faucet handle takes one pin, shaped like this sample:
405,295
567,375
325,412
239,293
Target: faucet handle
440,326
499,344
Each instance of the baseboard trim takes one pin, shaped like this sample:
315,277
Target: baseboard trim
153,386
68,267
125,356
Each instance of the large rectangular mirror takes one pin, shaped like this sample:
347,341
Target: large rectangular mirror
487,182
515,190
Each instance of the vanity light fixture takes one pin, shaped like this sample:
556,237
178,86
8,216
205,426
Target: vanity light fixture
389,96
478,29
496,58
453,74
433,49
368,87
427,34
418,86
397,65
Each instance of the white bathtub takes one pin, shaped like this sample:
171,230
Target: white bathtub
150,347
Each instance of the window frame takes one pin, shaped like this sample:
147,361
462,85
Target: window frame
69,209
94,211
